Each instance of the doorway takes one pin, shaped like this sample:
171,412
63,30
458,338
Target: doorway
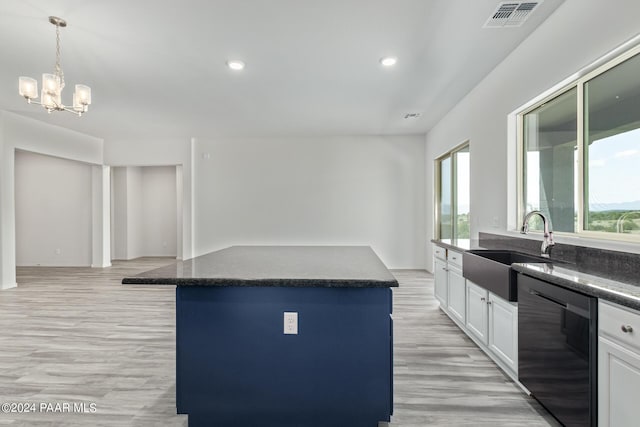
145,209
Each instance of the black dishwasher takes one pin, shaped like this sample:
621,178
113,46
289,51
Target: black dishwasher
557,349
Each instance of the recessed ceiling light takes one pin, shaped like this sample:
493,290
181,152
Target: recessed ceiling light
235,65
388,61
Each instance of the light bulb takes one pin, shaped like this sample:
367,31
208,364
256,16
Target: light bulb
48,100
83,93
389,61
28,87
235,65
50,83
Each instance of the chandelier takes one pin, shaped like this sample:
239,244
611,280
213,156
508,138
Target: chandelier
52,84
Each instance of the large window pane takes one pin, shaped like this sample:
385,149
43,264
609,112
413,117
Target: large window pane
612,150
453,194
446,231
462,193
550,158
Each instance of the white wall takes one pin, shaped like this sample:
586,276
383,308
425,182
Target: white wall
119,213
578,33
22,133
159,213
53,211
361,190
144,215
134,213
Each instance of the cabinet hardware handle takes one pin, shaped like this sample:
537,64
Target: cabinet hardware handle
454,258
488,302
627,328
483,299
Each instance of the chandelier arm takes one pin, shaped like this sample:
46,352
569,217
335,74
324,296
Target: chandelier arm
31,101
69,110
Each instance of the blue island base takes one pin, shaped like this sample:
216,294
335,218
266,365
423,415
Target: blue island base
235,367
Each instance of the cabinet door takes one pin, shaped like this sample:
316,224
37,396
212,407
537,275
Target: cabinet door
441,279
618,385
457,294
503,331
477,311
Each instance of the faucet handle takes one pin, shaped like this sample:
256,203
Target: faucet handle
550,235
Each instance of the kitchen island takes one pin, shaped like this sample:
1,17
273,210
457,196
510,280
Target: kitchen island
282,336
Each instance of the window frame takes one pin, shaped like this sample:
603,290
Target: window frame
454,189
579,84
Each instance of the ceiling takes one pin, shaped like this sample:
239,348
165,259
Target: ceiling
157,67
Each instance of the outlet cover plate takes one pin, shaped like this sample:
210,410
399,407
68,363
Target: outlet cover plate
290,323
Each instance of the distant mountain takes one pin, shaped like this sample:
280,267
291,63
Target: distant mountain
625,206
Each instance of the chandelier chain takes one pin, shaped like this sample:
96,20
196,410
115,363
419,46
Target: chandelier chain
59,71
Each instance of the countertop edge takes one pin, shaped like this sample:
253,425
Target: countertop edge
593,288
290,283
468,245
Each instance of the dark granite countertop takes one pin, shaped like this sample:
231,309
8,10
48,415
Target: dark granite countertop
610,275
291,266
626,294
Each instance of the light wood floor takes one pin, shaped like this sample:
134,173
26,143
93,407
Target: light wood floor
77,335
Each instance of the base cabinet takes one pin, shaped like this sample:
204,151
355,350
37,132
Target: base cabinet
490,321
493,322
503,330
441,280
618,366
619,384
477,312
456,297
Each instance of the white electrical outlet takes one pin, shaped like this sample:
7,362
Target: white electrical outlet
290,323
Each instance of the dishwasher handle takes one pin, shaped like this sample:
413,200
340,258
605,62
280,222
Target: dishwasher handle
577,310
548,298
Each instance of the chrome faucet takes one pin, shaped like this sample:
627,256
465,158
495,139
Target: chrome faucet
547,243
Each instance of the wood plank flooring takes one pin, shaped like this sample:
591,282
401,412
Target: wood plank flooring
77,335
441,377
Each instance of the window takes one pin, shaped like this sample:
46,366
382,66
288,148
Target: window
612,150
550,138
452,194
580,154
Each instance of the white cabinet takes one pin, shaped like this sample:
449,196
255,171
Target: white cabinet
477,312
441,281
493,322
618,366
489,320
503,330
439,252
449,285
456,296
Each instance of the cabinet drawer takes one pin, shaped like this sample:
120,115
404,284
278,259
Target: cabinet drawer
455,258
439,252
614,320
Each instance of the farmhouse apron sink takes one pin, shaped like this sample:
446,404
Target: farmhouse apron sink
491,269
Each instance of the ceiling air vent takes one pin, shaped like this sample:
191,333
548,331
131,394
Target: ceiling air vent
511,14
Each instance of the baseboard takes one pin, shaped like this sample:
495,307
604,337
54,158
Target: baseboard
4,286
101,266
